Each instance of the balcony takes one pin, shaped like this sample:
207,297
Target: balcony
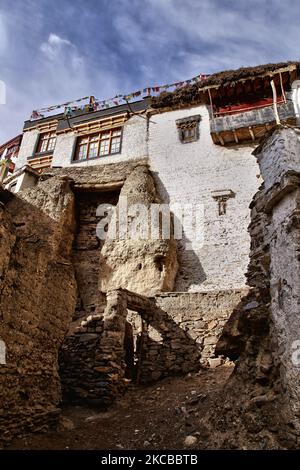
249,125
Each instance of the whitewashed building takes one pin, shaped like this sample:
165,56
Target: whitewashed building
198,141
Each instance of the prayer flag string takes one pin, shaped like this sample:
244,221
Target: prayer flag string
94,104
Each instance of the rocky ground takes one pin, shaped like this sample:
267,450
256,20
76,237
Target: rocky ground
166,415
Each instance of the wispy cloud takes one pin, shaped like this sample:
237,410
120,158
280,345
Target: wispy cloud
56,47
102,47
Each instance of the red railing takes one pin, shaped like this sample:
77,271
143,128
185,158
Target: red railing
240,108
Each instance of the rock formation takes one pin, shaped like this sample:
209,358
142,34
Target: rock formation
142,265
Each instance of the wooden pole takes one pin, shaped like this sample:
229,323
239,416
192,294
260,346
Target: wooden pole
282,89
211,104
277,119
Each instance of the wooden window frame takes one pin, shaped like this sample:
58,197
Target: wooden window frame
190,123
90,139
42,138
191,138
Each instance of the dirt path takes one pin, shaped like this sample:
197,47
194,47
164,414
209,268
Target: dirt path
160,416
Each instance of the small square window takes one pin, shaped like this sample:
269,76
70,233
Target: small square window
188,129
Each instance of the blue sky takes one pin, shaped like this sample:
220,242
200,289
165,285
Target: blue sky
58,50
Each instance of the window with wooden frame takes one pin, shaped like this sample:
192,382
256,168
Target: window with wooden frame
46,142
188,128
99,144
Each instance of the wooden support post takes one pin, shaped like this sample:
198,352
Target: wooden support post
211,105
282,89
220,139
277,119
251,133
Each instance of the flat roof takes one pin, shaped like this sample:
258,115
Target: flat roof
191,93
14,141
81,116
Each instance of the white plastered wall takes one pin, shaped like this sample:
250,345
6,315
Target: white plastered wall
134,146
189,173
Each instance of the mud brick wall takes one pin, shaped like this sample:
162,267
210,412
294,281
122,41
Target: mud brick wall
38,298
97,176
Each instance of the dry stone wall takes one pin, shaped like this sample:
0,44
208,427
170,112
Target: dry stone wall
92,358
86,250
80,360
178,334
202,315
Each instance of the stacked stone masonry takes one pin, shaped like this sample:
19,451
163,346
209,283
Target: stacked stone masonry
87,248
179,334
